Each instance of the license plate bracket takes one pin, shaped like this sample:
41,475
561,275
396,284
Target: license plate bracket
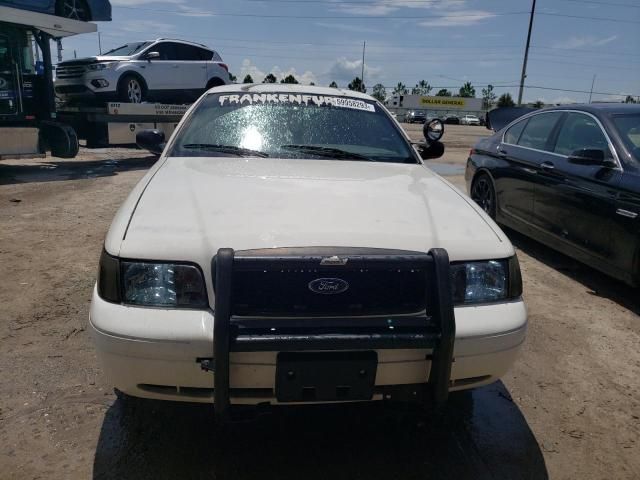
325,376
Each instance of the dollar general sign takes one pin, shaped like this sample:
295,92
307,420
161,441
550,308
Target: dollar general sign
443,101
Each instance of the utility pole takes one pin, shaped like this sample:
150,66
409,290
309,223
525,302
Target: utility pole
592,83
364,46
99,43
526,53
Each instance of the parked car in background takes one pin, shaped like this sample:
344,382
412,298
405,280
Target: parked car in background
231,243
84,10
469,120
432,116
415,116
452,120
568,177
160,70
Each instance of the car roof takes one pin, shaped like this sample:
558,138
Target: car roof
289,87
599,108
179,41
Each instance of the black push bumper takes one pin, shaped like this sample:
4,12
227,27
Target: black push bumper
434,329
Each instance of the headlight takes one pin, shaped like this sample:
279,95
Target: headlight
101,66
154,284
486,281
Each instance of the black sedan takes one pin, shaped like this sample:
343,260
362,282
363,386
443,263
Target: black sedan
568,177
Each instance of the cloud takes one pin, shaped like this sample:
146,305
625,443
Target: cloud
563,100
447,13
585,41
185,9
459,18
145,26
348,28
258,74
133,3
344,70
385,7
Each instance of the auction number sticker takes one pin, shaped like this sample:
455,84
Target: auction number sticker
355,104
299,99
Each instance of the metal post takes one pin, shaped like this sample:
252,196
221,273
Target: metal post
526,53
99,43
223,271
59,45
591,91
364,46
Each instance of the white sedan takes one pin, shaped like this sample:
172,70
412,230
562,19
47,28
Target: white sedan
469,120
291,246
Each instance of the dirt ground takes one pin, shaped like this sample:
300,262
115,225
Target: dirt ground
569,409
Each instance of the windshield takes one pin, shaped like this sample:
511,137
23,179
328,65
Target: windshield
126,50
288,125
629,128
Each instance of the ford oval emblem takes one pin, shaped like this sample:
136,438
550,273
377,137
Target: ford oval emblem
328,286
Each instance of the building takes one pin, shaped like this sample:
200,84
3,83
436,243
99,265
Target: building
439,107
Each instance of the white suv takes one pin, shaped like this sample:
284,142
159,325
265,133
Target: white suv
160,70
469,120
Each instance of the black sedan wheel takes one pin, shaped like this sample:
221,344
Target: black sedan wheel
74,9
483,193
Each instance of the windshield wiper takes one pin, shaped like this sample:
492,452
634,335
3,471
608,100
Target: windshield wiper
242,152
327,152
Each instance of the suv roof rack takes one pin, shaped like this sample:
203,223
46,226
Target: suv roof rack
183,41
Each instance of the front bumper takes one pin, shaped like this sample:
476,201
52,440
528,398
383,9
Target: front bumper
87,85
154,353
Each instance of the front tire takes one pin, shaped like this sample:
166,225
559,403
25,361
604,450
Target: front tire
73,9
483,193
131,90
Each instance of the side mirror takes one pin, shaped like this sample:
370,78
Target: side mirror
152,140
589,156
151,55
431,150
433,130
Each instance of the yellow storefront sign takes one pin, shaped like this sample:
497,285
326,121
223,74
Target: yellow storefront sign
443,102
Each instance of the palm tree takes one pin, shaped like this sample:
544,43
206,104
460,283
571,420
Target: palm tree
379,92
422,88
357,85
400,89
467,90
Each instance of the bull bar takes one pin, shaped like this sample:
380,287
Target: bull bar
433,329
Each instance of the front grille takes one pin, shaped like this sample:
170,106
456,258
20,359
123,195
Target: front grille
274,288
70,71
71,89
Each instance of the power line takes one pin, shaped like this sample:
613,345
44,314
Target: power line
417,3
566,90
584,17
331,17
608,4
584,64
380,17
356,46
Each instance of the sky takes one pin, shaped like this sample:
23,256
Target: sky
445,42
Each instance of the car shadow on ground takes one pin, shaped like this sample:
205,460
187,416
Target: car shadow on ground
478,436
54,171
596,282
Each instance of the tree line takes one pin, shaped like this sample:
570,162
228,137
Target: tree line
379,91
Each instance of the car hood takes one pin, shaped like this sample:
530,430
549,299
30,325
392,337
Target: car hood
194,206
89,60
